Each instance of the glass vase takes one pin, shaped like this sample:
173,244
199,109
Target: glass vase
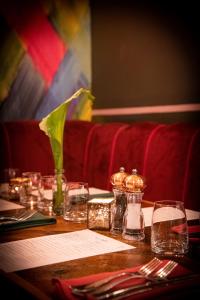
59,192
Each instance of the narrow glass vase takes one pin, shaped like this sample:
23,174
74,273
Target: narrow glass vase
59,192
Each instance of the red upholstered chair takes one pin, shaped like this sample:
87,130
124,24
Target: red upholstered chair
167,155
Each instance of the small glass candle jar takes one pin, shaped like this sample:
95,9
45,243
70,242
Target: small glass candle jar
15,186
99,213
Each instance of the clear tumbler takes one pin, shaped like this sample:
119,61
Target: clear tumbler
169,231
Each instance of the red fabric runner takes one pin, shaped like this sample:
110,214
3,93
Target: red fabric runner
175,291
191,230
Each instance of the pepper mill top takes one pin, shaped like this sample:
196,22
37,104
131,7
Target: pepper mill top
134,183
117,179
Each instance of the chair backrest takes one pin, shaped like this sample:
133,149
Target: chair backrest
167,155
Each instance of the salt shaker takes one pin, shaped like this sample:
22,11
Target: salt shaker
133,222
119,204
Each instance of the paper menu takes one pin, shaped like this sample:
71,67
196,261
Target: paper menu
147,211
96,191
92,191
40,251
8,205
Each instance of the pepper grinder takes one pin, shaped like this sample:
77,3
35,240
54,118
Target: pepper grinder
133,222
119,205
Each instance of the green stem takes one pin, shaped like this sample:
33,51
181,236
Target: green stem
59,196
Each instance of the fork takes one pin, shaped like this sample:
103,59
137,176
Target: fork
159,278
13,218
166,270
24,216
106,283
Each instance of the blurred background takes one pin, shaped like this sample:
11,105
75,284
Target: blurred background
139,58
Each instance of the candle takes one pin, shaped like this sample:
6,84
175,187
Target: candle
99,213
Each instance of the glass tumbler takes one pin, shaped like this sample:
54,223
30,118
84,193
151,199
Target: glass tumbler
169,230
10,173
75,203
45,203
31,190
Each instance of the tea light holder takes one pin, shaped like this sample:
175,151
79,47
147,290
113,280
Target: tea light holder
14,187
99,213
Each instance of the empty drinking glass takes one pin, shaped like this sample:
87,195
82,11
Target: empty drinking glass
45,202
11,173
75,203
169,230
7,183
30,190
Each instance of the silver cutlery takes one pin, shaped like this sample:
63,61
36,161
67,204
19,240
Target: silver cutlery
148,286
158,279
160,274
166,270
106,283
13,219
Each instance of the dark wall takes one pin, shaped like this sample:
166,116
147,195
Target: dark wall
145,53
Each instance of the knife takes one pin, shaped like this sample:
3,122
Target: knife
149,285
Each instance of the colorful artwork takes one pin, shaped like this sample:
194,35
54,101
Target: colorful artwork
45,55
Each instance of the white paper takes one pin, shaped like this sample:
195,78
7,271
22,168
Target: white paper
147,211
192,214
7,205
40,251
92,191
95,191
101,200
48,194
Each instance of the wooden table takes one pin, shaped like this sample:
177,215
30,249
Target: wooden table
38,281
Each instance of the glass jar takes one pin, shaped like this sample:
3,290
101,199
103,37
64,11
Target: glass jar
59,189
133,223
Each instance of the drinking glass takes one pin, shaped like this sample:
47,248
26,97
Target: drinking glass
30,190
169,230
45,202
75,203
11,173
7,184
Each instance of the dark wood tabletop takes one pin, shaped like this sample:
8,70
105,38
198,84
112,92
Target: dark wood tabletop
38,281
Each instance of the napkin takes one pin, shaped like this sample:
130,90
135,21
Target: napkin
37,219
173,291
193,231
